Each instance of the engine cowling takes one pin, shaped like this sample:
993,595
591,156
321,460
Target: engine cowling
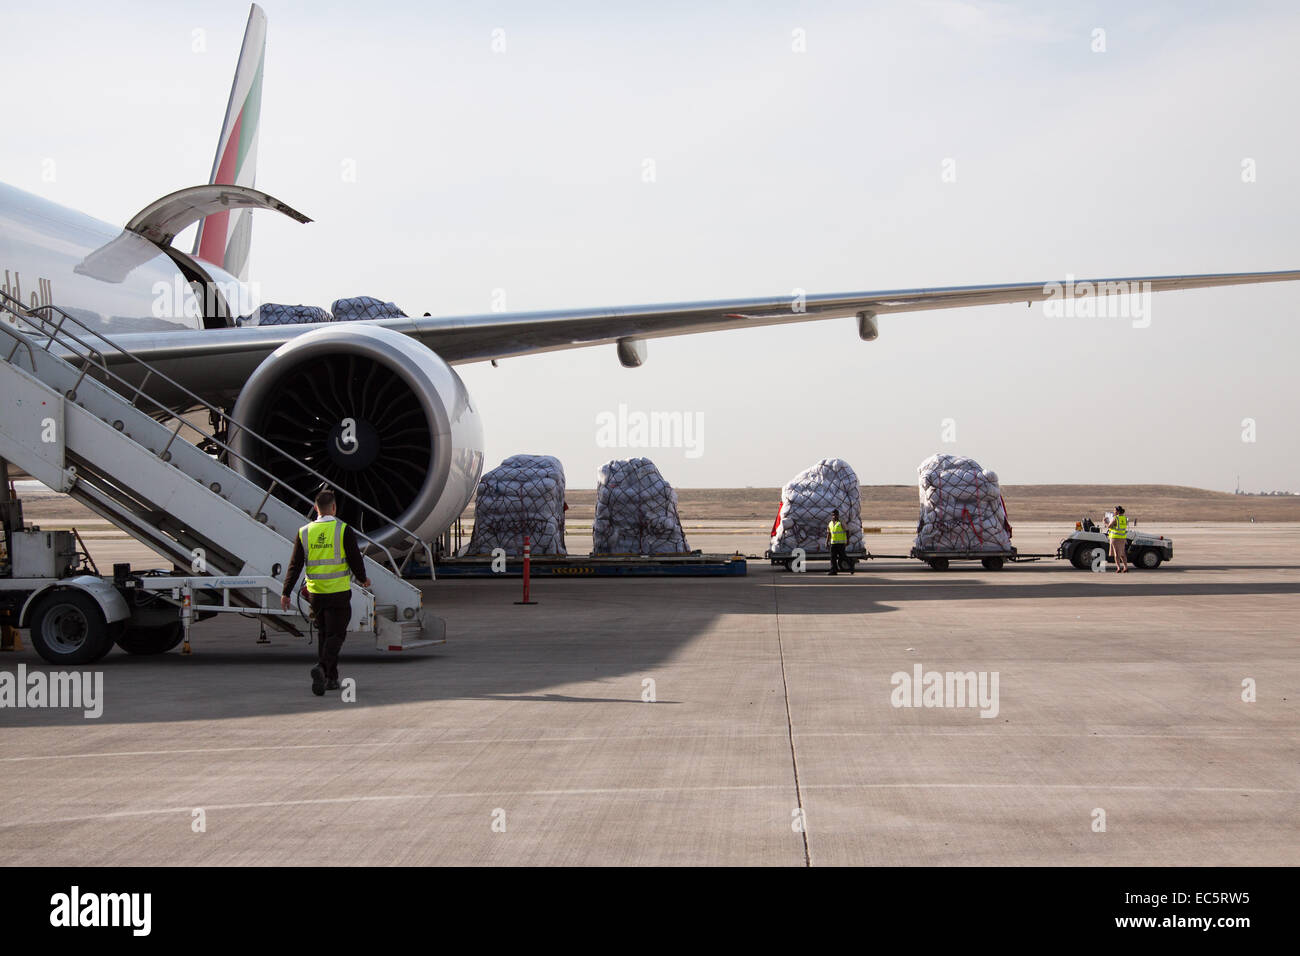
377,414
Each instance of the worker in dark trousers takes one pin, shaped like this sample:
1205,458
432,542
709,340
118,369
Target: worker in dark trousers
838,539
327,548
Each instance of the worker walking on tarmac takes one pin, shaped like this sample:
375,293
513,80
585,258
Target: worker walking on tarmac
1117,530
838,539
327,548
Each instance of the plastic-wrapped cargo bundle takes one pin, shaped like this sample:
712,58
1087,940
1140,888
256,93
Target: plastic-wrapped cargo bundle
524,495
961,507
364,307
273,313
636,511
807,501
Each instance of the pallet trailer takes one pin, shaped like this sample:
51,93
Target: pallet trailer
597,566
991,561
1079,548
783,559
938,560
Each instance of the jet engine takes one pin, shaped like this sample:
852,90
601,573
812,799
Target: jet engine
373,412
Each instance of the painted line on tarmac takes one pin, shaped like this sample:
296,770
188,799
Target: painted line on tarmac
629,791
473,741
189,750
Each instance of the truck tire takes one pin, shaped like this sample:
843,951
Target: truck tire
1082,557
1148,559
155,639
939,564
67,627
992,564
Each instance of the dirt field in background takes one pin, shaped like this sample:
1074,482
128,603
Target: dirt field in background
1147,503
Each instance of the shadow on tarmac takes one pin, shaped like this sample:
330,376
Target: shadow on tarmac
611,632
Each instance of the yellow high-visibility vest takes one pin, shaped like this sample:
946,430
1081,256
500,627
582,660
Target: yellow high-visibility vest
1119,527
327,568
838,534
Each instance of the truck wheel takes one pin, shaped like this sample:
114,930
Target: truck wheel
939,564
1149,558
155,639
110,643
1082,558
992,564
67,627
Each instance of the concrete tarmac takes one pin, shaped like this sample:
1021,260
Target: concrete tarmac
1120,736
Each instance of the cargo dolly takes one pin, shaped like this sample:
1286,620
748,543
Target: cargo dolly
785,559
938,560
1087,548
990,560
697,564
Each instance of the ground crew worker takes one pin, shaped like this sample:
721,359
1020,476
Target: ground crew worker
838,539
1117,531
327,548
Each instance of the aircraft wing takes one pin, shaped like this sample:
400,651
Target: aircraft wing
481,337
232,354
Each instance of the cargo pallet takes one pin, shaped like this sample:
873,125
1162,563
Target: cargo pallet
577,566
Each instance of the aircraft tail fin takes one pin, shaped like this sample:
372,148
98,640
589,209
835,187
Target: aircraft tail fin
224,238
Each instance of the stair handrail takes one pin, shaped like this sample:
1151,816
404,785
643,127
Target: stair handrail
63,337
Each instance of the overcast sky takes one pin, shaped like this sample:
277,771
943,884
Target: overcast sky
775,169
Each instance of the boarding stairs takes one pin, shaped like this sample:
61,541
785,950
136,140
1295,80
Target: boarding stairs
72,421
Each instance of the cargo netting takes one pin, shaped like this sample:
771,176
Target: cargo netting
524,495
961,507
274,313
636,511
364,307
807,502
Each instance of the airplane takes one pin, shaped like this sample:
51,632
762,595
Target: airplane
418,451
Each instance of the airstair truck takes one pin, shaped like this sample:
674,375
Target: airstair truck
71,422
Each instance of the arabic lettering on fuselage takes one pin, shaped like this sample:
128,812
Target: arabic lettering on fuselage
42,295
